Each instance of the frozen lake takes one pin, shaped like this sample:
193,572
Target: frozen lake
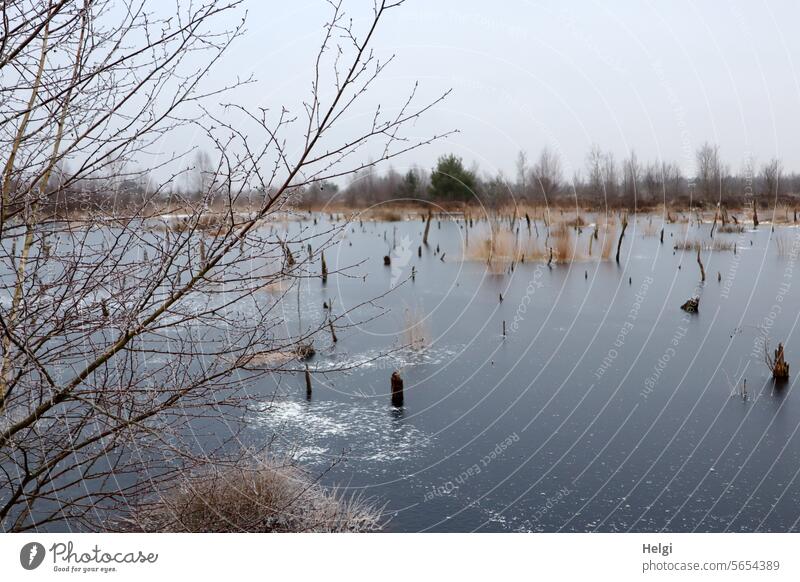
605,407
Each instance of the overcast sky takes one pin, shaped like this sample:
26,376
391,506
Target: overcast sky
656,77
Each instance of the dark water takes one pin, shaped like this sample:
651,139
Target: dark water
604,408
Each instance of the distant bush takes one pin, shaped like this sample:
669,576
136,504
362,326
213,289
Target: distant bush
450,180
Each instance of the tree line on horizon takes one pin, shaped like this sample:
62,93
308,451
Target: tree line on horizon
603,181
629,183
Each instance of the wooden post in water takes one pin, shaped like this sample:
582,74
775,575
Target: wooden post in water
622,234
308,383
702,268
427,228
397,389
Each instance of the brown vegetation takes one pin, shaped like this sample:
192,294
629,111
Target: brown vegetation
704,245
90,90
269,497
561,243
609,232
415,334
782,245
691,305
731,229
776,363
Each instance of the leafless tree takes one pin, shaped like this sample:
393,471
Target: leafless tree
130,317
709,172
673,181
594,169
631,178
522,175
547,176
201,173
652,182
610,180
771,176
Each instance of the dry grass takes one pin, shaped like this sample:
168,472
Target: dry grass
415,333
679,218
781,215
272,359
782,245
278,287
704,245
269,497
561,242
382,214
731,229
577,222
607,236
498,248
650,230
210,224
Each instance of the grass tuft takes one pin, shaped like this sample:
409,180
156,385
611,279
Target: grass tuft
269,497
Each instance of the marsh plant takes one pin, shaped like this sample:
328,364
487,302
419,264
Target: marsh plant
266,497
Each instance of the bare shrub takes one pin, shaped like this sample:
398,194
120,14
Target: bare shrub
120,339
269,498
608,236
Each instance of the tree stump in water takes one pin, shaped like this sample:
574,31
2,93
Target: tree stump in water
702,268
397,389
780,369
427,228
387,260
692,305
305,351
622,234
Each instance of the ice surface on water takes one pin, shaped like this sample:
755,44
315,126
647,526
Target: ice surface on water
318,432
386,359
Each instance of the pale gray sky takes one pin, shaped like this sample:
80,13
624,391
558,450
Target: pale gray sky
656,77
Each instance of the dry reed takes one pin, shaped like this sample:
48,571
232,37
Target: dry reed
415,333
269,497
710,245
608,238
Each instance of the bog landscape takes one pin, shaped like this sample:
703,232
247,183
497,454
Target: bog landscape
265,329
